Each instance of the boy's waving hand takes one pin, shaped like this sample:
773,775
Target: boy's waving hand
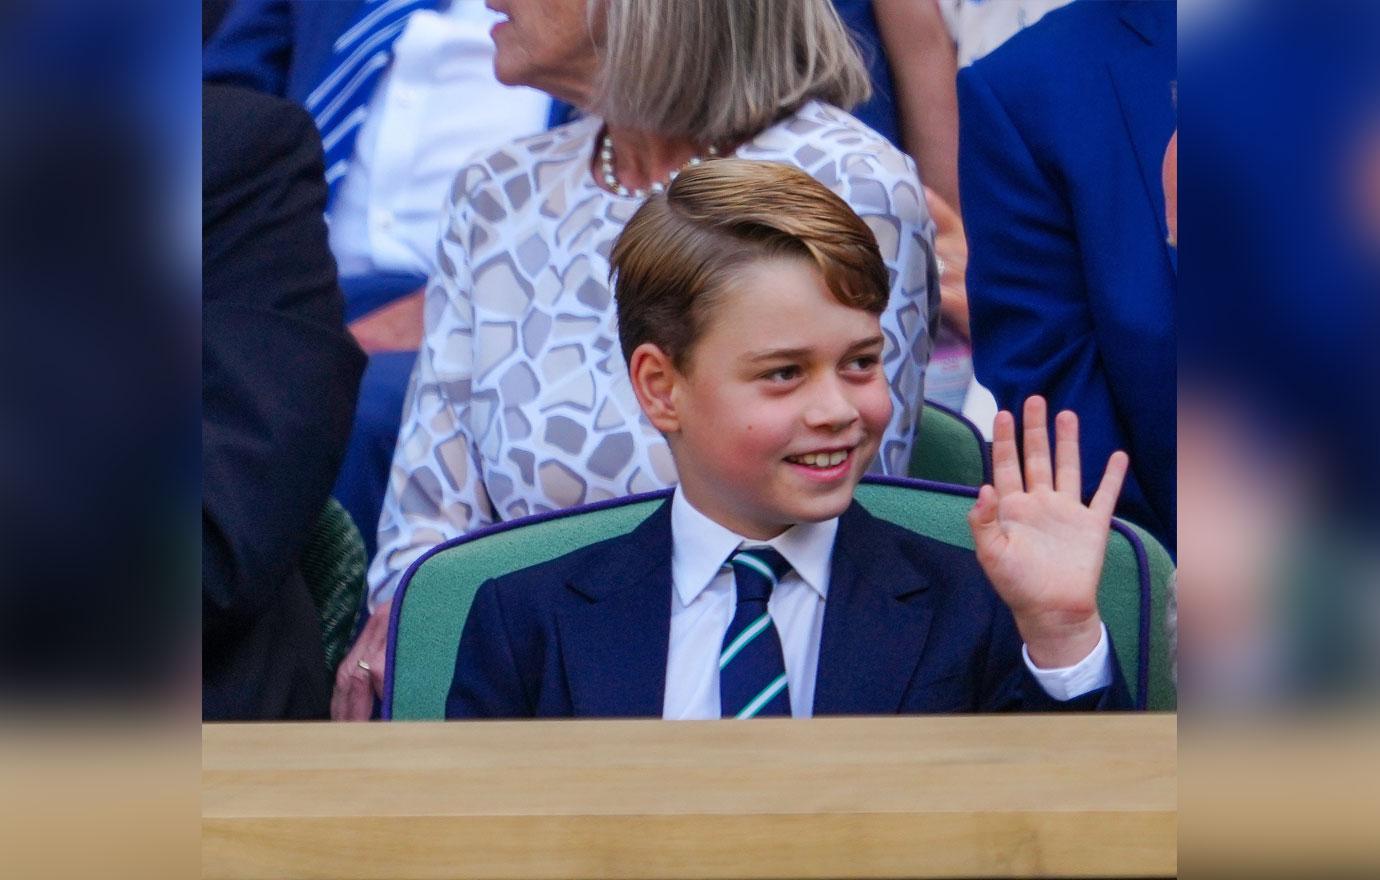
1037,542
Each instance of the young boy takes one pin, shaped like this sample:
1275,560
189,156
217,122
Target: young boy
748,302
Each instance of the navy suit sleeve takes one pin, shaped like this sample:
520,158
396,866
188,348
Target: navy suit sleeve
1032,325
252,48
486,682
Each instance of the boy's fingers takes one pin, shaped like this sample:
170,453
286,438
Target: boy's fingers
985,509
1037,467
1104,501
1006,466
982,519
1068,476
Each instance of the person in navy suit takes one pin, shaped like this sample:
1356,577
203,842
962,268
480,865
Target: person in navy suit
748,298
1071,282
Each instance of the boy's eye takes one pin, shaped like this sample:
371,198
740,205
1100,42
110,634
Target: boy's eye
782,374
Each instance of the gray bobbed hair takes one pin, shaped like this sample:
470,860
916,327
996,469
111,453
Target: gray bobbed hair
717,71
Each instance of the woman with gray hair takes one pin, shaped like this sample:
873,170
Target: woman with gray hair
520,402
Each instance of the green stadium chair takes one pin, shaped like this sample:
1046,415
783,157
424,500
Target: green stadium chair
435,594
949,449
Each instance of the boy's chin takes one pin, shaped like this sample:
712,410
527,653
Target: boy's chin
823,508
771,521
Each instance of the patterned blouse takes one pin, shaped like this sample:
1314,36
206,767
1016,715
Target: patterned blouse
520,401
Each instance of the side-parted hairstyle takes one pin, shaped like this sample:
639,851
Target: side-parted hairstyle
683,248
718,71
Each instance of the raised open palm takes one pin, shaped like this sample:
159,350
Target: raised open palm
1041,547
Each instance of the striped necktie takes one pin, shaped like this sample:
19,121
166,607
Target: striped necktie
752,670
360,55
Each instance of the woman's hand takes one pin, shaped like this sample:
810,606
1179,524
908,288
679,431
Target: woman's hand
355,686
951,246
1039,545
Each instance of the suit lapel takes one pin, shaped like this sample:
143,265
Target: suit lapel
876,621
1142,79
614,647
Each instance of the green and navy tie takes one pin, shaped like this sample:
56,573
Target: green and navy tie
752,671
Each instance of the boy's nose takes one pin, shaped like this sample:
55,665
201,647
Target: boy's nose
831,408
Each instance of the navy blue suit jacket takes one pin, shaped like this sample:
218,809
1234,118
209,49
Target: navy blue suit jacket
1070,281
911,626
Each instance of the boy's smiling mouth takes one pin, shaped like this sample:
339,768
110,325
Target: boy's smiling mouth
823,460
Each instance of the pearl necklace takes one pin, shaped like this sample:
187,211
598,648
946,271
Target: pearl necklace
611,179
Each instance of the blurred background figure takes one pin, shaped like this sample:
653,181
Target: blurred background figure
279,379
979,26
926,42
1279,411
520,401
910,36
403,92
99,176
212,13
1279,404
1169,182
1071,281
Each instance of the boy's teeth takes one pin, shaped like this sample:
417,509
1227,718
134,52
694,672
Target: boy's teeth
822,459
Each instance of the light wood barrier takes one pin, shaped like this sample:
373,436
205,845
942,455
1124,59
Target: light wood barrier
991,796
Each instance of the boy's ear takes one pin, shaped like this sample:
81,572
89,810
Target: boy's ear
654,380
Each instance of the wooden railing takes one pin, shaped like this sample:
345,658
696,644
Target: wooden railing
991,796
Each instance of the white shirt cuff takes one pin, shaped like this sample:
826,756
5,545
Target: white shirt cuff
1092,672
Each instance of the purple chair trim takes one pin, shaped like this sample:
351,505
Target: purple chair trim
916,483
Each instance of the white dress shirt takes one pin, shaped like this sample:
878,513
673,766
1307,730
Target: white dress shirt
704,598
435,106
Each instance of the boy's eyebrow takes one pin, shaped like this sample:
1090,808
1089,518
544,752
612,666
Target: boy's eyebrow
795,353
867,342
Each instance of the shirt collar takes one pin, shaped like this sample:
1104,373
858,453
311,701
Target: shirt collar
700,547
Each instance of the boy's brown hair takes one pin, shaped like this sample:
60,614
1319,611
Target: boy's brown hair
679,250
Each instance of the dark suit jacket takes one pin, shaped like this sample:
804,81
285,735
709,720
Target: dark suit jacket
279,379
1070,282
911,625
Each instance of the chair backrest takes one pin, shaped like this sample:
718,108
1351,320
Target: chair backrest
435,594
949,449
333,564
